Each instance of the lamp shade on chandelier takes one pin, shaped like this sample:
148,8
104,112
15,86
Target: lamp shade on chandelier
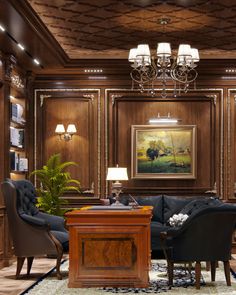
163,66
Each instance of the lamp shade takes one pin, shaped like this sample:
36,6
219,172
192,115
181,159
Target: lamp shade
71,128
195,54
132,54
60,128
184,50
143,50
163,49
117,173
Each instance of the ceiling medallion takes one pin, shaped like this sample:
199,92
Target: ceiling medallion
181,69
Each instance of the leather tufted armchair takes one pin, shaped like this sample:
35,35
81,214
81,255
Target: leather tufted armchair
205,236
34,233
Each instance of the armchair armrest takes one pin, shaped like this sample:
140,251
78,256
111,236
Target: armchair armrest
56,222
34,220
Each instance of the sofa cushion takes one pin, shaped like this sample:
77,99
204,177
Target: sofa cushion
156,203
173,205
199,204
156,229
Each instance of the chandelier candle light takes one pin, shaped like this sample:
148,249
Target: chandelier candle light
163,66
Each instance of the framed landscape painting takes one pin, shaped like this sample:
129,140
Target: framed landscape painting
163,151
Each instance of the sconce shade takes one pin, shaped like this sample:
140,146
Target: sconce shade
71,128
117,173
60,129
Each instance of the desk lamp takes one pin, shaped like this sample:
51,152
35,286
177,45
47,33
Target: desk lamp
116,174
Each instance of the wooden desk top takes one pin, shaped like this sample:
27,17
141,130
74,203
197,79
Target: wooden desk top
145,210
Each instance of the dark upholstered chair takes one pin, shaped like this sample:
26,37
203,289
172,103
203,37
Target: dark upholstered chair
205,236
33,233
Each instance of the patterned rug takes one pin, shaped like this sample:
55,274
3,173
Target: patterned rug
183,283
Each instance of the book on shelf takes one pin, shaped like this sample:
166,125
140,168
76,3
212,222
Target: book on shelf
17,113
23,164
14,161
18,163
17,137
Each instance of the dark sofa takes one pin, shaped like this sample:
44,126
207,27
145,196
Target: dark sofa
165,207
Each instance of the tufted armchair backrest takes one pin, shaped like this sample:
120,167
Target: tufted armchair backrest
26,197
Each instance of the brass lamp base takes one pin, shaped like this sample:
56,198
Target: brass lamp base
117,189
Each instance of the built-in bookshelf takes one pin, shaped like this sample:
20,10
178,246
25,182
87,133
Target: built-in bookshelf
17,114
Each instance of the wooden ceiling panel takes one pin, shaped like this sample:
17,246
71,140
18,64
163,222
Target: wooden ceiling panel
100,29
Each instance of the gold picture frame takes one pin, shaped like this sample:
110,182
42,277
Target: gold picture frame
163,151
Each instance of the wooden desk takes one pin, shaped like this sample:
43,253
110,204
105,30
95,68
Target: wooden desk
109,248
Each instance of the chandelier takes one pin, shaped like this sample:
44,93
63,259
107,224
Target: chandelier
181,69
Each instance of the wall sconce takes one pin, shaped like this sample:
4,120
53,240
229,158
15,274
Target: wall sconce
116,174
66,135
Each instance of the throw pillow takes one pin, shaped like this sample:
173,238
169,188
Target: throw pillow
156,203
177,219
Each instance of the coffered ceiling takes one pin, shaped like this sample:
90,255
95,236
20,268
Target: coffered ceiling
109,28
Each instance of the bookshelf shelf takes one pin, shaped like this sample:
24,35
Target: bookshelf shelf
17,124
18,172
17,148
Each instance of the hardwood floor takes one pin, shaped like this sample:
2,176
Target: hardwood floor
10,286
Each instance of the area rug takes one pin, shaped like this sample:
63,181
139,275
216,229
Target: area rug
183,283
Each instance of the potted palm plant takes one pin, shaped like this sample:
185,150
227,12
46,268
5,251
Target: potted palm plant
54,182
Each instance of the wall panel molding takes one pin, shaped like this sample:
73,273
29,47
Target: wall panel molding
214,95
89,97
231,144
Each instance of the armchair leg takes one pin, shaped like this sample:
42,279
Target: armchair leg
213,271
198,274
59,256
20,262
29,264
227,273
170,269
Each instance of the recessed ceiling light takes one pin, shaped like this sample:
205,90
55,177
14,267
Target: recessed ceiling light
93,70
232,70
2,28
36,61
21,46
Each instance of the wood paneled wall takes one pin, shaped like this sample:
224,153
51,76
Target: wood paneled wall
105,122
127,109
79,107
